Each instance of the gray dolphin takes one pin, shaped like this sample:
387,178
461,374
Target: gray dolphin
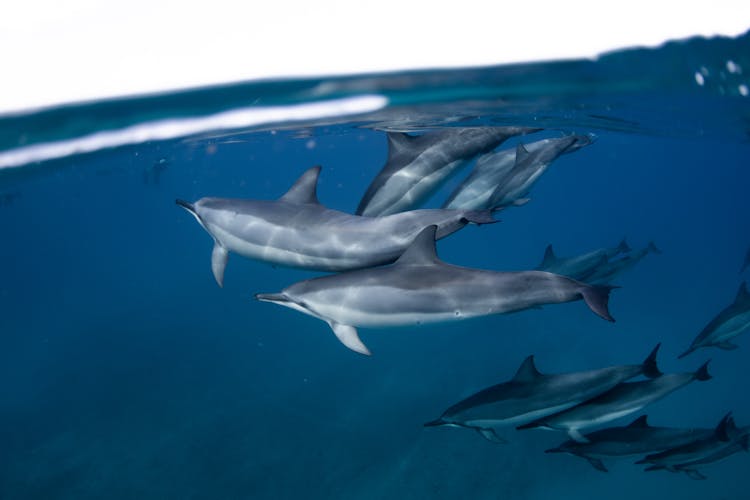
730,322
504,178
297,231
746,262
624,399
726,440
612,268
530,395
418,165
420,288
580,267
636,438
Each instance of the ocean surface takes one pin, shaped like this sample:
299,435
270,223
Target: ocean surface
126,372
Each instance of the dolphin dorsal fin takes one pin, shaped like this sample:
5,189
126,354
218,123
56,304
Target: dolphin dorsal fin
742,294
640,422
549,257
527,372
422,249
522,154
725,427
305,190
398,143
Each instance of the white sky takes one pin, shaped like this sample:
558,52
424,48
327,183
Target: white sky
55,51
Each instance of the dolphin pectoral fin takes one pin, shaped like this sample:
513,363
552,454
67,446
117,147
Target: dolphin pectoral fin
694,474
219,257
597,464
490,435
576,436
348,336
727,346
521,202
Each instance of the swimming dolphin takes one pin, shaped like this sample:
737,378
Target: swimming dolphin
729,323
530,395
528,168
624,399
418,165
503,178
420,288
297,231
726,440
636,438
746,262
580,267
610,269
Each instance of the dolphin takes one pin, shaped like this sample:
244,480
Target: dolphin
746,262
624,399
730,322
608,270
636,438
530,395
726,440
503,178
418,165
580,267
420,288
297,231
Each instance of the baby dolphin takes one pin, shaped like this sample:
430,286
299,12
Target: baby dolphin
726,440
530,395
504,178
580,267
420,288
636,438
297,231
729,323
418,165
624,399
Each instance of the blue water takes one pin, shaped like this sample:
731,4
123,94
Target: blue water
125,372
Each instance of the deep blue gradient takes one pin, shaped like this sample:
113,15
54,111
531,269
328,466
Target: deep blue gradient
125,372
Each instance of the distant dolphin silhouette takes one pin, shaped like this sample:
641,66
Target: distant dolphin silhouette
420,288
580,267
297,231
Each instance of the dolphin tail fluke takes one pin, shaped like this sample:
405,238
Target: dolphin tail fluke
702,372
650,368
219,257
480,217
689,351
653,248
597,298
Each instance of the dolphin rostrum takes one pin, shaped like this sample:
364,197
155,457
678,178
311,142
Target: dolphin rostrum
420,288
636,438
729,323
504,178
624,399
297,231
530,395
580,267
726,440
418,165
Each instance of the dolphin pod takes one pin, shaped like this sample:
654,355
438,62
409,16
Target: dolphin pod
420,288
297,231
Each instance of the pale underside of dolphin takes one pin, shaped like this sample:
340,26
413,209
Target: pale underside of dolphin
504,178
297,231
725,326
530,395
622,400
419,288
636,438
417,166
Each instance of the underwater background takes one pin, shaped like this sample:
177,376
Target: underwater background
125,372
